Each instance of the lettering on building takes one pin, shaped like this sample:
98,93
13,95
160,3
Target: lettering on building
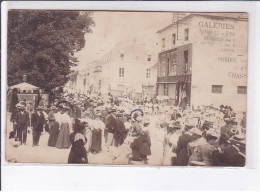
227,59
217,25
237,75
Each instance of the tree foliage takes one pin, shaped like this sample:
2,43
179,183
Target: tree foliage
42,44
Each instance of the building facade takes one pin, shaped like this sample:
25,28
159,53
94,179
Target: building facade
203,61
82,79
129,69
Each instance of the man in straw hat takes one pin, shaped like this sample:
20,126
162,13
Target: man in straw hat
23,122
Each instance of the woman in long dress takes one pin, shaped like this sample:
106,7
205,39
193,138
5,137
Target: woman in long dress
97,135
54,131
145,149
88,135
63,140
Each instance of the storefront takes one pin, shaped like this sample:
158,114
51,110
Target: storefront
175,87
212,52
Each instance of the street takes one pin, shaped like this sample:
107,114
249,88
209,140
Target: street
52,155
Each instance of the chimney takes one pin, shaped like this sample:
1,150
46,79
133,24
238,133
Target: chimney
24,78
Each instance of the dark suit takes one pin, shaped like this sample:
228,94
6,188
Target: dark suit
22,125
182,151
111,123
111,126
37,123
120,133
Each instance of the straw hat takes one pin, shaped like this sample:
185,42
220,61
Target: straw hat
196,131
213,133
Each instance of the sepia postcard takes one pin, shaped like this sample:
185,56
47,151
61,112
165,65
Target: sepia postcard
126,88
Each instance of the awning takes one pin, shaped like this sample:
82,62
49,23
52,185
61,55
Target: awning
24,86
173,79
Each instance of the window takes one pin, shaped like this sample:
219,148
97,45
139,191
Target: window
121,72
122,55
186,60
168,67
186,34
217,89
241,89
174,39
149,58
163,43
148,73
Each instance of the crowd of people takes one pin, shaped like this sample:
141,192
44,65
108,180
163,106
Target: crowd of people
136,131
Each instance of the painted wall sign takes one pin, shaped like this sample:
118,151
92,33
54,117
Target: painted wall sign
217,25
237,75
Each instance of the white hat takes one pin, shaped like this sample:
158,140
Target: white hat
213,133
196,130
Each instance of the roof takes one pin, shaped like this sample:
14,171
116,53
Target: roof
24,86
207,15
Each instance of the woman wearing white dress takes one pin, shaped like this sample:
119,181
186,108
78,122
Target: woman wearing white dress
89,134
63,140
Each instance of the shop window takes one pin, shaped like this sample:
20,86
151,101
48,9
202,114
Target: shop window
217,89
186,34
174,39
121,72
241,89
148,73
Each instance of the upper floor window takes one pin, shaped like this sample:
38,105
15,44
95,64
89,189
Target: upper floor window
163,43
186,34
217,89
121,72
122,55
148,73
149,58
174,39
241,89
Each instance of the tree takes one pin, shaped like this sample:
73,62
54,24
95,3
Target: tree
42,44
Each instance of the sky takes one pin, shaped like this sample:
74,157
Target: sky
114,27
